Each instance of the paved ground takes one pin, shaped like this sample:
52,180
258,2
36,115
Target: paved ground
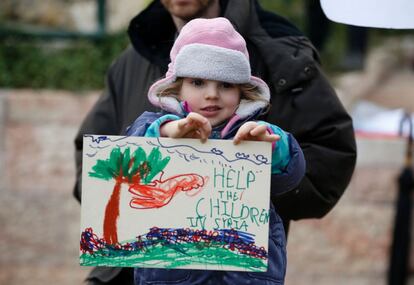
40,219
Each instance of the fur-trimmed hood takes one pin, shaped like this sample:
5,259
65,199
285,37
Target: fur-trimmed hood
210,49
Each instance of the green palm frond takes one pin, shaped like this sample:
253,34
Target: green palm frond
125,160
109,168
139,156
115,161
124,165
101,171
155,164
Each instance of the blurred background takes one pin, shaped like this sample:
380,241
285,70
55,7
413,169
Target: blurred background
53,59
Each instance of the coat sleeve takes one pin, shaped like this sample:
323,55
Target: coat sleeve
325,133
330,153
305,104
153,130
148,124
281,154
288,162
326,137
293,172
102,120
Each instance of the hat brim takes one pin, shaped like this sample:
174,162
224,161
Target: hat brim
211,63
171,104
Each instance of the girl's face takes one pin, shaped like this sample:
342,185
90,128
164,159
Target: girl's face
215,100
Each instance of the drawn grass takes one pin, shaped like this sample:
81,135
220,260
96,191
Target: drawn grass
175,256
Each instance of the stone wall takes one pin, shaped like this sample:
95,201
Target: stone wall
39,218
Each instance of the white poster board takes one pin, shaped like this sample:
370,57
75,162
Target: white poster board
392,14
175,203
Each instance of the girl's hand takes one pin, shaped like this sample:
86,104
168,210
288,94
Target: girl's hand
193,126
252,131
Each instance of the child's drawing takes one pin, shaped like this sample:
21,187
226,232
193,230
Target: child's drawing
155,202
160,192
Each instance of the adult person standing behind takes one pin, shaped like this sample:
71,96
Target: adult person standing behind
303,102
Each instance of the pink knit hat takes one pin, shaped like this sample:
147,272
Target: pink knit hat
209,49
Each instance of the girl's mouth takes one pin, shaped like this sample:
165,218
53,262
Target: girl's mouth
211,108
210,111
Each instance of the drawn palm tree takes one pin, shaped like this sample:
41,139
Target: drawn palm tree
123,167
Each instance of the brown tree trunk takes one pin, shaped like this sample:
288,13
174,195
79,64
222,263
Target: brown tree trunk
110,232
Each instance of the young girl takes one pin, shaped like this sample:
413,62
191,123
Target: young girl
209,92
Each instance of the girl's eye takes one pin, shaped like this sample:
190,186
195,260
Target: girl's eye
226,85
197,82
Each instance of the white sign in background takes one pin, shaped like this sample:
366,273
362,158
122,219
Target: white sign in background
391,14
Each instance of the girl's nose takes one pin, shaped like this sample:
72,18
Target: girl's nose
212,92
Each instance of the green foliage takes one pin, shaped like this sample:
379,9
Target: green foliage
155,164
110,168
81,64
293,10
63,64
137,166
123,165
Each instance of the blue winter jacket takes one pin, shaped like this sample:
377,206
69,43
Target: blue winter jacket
281,181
